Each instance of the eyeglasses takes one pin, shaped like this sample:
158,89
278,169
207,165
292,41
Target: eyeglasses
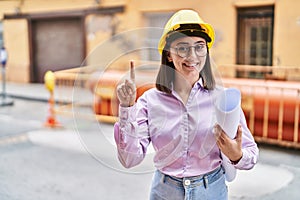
184,50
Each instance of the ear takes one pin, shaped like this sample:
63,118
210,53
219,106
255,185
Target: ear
169,57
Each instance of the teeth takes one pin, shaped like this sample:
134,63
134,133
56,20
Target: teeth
191,65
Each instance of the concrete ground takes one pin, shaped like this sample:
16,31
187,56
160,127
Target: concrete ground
276,176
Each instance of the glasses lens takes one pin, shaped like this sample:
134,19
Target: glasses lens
200,50
183,51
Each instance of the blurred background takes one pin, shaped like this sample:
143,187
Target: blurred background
87,44
60,34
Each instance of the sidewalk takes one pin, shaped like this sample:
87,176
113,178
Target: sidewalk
29,91
265,181
37,92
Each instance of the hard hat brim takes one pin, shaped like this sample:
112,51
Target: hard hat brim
206,32
187,32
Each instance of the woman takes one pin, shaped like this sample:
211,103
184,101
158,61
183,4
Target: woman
177,118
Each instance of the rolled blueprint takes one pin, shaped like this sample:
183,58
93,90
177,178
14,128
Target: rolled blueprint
228,110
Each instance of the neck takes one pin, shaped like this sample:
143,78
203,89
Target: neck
182,84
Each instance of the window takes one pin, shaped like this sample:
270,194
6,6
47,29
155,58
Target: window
157,21
255,37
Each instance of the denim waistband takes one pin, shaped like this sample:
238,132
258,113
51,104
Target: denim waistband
194,181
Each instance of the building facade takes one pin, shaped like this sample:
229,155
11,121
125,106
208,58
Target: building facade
42,35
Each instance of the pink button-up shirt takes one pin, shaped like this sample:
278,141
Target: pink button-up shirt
181,134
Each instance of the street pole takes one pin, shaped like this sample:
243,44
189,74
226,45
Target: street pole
4,100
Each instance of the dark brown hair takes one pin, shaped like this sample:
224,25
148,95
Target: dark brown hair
166,73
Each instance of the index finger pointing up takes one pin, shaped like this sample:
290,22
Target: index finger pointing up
132,72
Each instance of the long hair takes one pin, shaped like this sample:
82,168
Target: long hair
166,73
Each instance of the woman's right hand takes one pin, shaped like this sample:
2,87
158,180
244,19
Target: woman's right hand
126,91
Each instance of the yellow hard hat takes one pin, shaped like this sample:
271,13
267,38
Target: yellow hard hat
183,21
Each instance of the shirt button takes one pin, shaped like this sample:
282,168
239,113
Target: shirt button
187,182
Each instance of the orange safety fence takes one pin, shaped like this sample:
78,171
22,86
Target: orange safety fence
101,84
271,107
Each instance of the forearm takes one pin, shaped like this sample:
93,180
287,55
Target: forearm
131,147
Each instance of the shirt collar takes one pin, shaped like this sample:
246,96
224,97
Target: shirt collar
199,83
200,86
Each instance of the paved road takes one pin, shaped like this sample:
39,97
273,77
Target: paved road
42,163
20,118
26,115
79,162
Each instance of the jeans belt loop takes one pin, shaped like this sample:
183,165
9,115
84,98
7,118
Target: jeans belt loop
162,179
205,181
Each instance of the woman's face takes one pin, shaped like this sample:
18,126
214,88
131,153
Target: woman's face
188,55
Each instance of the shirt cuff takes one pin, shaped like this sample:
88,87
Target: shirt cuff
246,162
236,162
126,114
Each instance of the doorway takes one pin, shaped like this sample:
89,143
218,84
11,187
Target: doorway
57,44
255,37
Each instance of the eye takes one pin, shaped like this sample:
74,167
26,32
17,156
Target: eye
199,47
182,48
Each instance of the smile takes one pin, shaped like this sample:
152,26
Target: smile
194,65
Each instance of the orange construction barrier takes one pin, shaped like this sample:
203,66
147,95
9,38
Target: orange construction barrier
51,121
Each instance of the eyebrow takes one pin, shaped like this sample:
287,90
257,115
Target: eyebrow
186,43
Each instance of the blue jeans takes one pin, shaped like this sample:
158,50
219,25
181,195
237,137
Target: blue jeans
210,186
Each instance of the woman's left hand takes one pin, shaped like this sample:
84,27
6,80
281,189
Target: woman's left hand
232,148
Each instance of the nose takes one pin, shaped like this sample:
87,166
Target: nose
192,53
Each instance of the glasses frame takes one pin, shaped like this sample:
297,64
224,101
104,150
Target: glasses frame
189,50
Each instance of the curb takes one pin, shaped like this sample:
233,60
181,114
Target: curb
40,99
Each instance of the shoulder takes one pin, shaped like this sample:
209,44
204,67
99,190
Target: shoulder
152,95
152,92
219,88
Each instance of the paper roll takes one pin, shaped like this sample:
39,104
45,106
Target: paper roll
228,107
228,110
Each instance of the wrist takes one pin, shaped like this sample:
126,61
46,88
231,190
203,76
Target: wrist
126,104
236,161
